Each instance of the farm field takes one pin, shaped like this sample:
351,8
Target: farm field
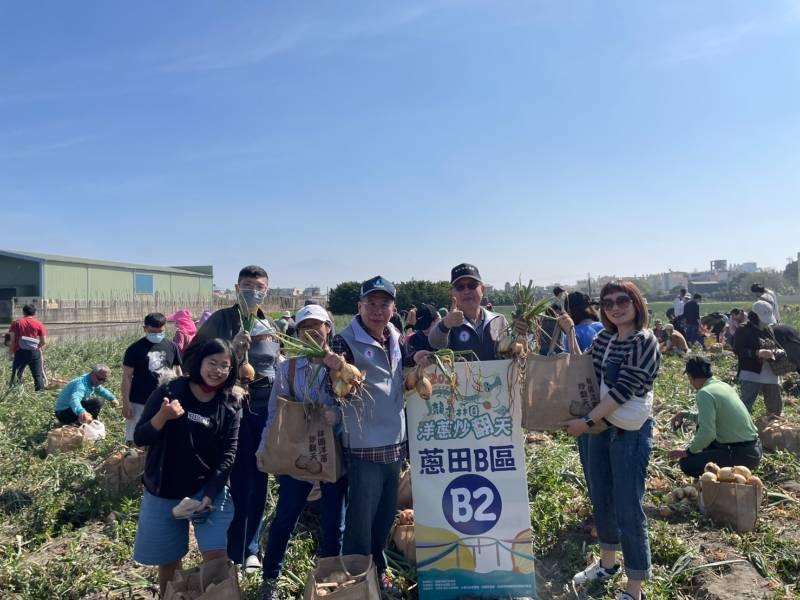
62,536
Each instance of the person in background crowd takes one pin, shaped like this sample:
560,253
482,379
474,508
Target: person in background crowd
549,327
203,317
767,295
249,485
661,334
28,338
190,427
737,319
691,314
468,325
586,318
410,319
725,433
185,328
675,342
282,324
397,320
426,319
374,438
627,361
303,380
678,304
489,306
145,361
559,293
77,402
755,374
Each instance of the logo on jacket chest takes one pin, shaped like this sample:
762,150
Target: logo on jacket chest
464,336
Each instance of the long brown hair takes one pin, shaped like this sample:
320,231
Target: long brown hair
639,305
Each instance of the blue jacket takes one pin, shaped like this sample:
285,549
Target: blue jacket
78,390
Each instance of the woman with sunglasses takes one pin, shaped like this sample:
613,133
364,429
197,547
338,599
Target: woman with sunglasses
190,426
626,361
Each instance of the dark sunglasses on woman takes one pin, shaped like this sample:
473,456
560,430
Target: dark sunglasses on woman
621,301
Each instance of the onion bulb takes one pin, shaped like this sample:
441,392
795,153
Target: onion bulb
247,374
424,388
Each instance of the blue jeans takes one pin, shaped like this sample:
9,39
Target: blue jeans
248,486
291,500
691,334
583,453
371,508
617,471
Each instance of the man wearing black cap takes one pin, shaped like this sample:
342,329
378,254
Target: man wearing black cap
725,433
374,438
468,325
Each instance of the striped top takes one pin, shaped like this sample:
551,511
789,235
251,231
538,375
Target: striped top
638,359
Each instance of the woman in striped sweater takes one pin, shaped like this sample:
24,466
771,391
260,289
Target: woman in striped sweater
626,362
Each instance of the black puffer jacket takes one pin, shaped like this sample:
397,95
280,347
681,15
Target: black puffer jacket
746,345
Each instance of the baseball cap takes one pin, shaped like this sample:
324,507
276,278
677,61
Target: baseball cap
426,315
312,311
286,314
378,284
465,270
763,309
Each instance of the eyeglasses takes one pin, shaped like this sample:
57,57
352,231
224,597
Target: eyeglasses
220,368
472,285
620,301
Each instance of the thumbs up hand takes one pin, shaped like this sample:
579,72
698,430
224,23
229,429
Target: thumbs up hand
454,317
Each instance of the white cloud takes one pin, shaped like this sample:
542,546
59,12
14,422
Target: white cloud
724,39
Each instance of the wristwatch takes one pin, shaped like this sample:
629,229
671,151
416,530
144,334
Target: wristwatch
588,420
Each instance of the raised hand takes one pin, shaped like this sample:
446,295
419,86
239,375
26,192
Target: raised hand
454,317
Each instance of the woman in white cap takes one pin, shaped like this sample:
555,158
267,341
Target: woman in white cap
755,373
303,380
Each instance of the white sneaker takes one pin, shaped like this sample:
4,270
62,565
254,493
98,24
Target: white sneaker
594,572
252,564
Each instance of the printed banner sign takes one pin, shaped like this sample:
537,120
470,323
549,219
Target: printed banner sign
472,522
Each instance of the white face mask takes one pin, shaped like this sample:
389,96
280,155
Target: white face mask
155,337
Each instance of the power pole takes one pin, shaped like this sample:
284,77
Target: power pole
589,281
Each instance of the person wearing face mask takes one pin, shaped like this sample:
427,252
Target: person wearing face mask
145,361
228,324
248,484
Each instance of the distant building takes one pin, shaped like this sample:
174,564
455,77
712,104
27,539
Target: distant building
54,282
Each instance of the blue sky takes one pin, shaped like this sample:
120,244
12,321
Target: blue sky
332,141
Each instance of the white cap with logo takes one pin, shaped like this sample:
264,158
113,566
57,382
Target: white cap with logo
312,311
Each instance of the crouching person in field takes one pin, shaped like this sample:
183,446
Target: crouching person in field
374,436
190,426
725,434
82,399
303,380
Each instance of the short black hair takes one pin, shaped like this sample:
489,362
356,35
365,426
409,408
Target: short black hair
698,297
698,367
558,290
29,310
252,271
758,288
683,291
735,311
215,346
155,320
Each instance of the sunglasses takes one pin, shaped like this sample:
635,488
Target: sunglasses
620,301
472,285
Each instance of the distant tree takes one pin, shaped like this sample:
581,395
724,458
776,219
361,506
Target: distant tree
421,291
342,299
790,274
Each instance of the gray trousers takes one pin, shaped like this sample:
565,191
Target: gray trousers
772,396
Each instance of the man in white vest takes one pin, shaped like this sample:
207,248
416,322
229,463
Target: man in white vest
374,425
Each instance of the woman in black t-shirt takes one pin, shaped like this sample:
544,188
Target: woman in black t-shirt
190,426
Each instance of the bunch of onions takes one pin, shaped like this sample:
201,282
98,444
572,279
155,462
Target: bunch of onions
526,310
247,374
417,380
346,380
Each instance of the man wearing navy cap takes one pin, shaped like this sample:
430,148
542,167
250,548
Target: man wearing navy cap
374,438
468,325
